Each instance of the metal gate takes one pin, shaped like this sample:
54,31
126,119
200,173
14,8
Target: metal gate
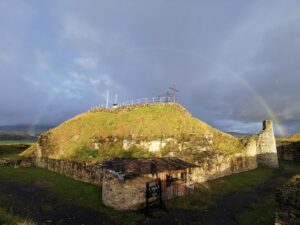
153,194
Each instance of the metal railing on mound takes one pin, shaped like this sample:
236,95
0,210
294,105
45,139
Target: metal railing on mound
141,101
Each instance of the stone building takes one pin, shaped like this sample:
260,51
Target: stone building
125,180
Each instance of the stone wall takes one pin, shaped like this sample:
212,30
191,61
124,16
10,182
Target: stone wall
224,165
260,151
127,195
266,146
288,151
82,171
27,162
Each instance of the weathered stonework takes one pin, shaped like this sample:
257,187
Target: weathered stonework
223,165
129,195
260,151
151,146
16,163
266,146
82,171
289,151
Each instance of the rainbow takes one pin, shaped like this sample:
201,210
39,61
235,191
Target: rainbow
231,72
224,67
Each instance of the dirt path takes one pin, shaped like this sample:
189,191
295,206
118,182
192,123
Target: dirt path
226,207
43,207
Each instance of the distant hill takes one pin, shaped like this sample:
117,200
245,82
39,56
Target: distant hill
296,136
17,136
292,138
142,130
21,133
237,134
37,129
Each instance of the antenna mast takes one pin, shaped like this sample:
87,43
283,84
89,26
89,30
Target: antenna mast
107,98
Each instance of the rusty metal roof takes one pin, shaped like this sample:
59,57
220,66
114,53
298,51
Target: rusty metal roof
133,167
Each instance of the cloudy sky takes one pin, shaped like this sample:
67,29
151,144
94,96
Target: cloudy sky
234,62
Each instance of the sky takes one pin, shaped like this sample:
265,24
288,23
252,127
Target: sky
235,63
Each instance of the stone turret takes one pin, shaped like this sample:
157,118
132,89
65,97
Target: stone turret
266,146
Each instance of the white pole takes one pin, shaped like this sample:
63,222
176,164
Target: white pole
116,98
107,97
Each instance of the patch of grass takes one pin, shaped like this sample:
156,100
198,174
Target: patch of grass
7,218
14,142
260,214
292,167
68,190
108,151
12,151
206,193
87,154
263,213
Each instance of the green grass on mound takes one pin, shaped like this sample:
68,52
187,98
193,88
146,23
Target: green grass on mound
75,137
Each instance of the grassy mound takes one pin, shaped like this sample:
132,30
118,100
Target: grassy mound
75,138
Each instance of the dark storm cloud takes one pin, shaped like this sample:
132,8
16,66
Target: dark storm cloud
231,60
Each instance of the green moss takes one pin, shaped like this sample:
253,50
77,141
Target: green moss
88,154
135,152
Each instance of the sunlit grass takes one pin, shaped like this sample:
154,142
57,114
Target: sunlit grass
206,193
67,189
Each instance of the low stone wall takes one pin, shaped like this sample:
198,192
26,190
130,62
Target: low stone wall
28,162
221,166
288,201
288,151
82,171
